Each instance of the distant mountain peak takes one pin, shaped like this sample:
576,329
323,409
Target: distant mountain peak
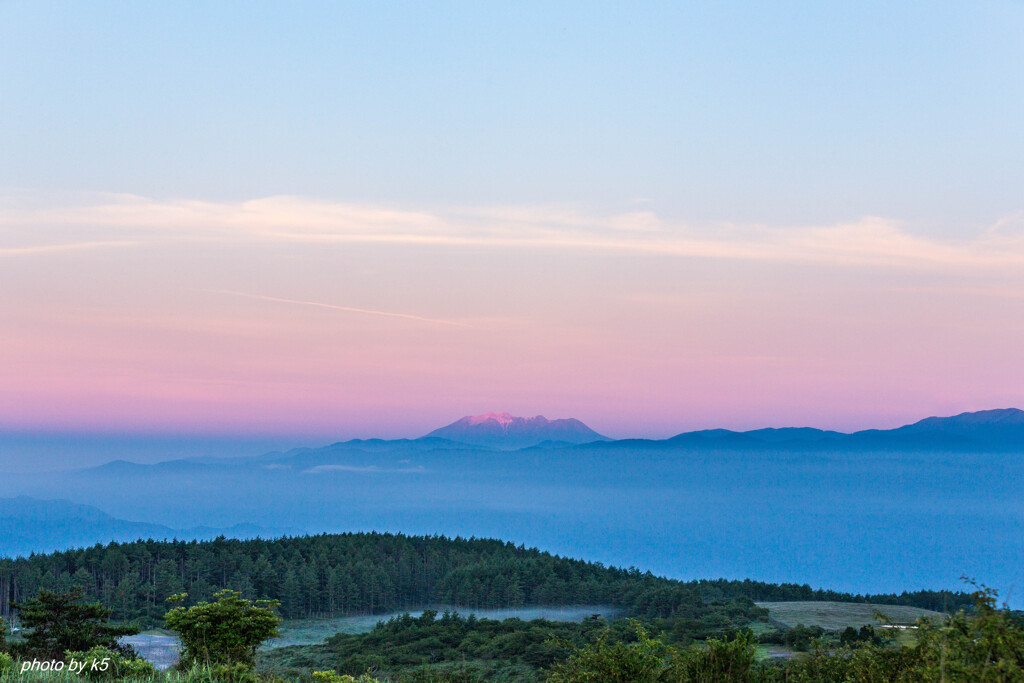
998,416
1001,427
508,431
993,416
504,419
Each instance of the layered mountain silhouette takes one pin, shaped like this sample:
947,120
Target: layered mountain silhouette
997,427
30,525
985,430
485,467
506,431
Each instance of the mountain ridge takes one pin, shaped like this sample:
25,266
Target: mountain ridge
64,524
509,432
998,429
807,484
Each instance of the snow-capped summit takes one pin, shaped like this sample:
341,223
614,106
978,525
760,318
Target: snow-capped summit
504,430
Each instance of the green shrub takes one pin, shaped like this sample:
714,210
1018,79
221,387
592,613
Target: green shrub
226,632
801,637
335,677
718,661
984,645
644,661
100,663
239,672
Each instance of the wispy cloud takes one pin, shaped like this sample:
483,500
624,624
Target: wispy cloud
364,468
50,248
989,292
334,307
129,219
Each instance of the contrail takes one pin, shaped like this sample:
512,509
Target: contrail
334,307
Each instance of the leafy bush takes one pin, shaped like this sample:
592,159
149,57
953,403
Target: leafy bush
239,672
985,645
800,637
648,660
867,634
775,636
100,663
719,661
226,632
335,677
644,661
867,664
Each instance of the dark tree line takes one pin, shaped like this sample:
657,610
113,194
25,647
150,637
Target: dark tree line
939,601
369,573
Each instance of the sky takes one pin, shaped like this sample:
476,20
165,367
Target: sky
370,219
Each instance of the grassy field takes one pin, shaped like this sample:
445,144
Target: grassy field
835,616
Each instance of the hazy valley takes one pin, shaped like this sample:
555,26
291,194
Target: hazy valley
873,511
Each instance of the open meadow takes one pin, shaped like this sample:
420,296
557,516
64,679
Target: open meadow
835,616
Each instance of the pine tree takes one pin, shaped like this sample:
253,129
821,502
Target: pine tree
58,622
291,596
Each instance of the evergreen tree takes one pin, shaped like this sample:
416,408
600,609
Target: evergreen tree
291,596
59,622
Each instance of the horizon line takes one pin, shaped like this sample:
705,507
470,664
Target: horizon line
186,434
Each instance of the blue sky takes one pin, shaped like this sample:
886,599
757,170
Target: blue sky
775,113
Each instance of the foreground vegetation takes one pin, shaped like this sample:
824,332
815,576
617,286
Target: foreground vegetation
678,632
984,644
